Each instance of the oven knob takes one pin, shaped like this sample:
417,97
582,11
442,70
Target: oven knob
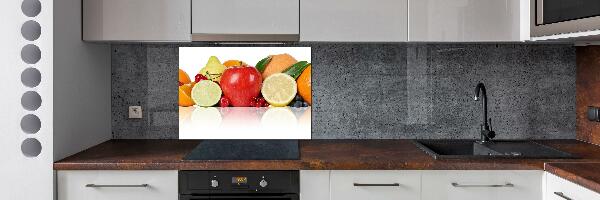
214,183
263,183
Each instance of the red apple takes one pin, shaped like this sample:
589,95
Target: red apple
241,84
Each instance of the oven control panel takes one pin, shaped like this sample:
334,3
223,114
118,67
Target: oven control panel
228,182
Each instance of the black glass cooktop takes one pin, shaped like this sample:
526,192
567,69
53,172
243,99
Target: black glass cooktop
245,150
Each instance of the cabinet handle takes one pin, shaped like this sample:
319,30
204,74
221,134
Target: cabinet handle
115,186
562,195
504,185
376,184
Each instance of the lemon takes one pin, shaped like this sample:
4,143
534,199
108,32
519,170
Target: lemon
279,89
206,93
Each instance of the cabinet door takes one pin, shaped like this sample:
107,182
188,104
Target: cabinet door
117,185
136,20
560,189
314,184
468,20
214,20
477,185
354,20
375,185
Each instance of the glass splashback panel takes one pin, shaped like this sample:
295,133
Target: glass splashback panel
245,93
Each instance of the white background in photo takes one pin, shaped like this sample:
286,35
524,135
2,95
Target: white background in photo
192,59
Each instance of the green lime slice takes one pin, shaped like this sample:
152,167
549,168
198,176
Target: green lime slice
206,93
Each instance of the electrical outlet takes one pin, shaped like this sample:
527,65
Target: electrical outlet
135,112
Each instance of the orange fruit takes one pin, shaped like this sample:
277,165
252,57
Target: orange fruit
185,98
233,63
304,87
184,77
278,64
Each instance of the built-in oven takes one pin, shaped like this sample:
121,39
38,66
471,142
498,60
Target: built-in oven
552,17
237,185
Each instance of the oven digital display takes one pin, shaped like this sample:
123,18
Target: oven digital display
239,180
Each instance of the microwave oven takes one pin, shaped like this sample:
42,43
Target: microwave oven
554,17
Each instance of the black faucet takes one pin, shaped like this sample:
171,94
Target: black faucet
487,134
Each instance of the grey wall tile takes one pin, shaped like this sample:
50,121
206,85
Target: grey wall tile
374,91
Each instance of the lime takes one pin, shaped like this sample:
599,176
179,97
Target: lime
279,89
206,93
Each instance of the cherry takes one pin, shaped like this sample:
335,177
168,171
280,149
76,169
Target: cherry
253,101
199,77
224,102
261,101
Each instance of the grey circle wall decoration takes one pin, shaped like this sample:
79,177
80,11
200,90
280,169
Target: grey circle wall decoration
30,124
31,8
31,100
31,54
31,77
31,30
31,147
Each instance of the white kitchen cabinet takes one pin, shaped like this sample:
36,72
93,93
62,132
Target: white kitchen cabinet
375,185
233,20
560,189
354,20
136,20
478,185
117,185
468,20
314,184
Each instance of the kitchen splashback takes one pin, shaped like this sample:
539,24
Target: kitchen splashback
381,91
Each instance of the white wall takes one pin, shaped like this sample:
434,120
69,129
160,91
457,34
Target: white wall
82,109
22,177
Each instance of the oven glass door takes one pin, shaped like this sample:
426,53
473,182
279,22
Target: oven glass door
554,11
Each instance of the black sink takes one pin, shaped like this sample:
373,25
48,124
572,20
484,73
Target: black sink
469,149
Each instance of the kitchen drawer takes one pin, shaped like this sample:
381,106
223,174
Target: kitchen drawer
162,185
395,185
556,186
314,184
478,185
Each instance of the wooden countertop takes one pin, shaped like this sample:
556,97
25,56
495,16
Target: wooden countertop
315,155
331,155
584,174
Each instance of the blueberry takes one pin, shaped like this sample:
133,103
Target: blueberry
305,104
298,98
297,104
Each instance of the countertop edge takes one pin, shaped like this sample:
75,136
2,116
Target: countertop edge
576,178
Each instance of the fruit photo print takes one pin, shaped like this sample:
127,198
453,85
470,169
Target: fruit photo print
245,93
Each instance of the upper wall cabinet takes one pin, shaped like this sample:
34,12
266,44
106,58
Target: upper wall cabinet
245,20
354,20
136,20
468,20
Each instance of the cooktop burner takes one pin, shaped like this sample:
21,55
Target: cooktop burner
245,150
